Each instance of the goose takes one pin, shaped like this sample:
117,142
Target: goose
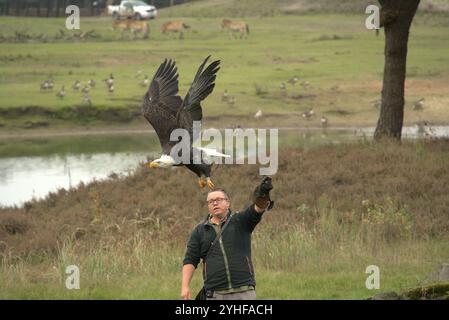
418,105
145,82
305,84
225,96
91,83
308,113
109,81
76,85
45,85
61,94
293,80
324,121
86,99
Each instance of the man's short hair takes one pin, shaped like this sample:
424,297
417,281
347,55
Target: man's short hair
221,190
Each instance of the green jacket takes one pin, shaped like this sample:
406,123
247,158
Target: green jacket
229,264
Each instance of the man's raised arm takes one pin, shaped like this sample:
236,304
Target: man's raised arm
261,196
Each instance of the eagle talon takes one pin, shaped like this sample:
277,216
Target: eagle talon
210,184
202,182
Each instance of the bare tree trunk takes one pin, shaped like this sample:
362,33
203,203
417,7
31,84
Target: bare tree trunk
27,7
64,6
18,4
58,8
7,7
396,18
39,8
49,7
91,3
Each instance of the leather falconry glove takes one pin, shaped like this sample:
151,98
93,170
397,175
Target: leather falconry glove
261,195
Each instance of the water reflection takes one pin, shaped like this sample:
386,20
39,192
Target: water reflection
417,131
24,178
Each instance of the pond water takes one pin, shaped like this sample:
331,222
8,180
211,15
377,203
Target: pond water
24,178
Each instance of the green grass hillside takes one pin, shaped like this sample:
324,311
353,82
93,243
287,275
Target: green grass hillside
235,8
339,64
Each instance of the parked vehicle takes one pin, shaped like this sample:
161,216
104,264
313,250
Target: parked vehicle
133,9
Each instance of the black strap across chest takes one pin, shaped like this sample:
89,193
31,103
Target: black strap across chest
217,238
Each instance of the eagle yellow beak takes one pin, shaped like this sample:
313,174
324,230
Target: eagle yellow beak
153,164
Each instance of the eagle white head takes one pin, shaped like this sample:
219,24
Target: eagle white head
164,161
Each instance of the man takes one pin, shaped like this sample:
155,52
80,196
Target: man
227,268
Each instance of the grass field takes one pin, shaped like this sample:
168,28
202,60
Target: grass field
342,61
148,272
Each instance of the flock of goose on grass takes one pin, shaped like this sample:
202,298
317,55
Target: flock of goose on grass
85,89
283,86
226,97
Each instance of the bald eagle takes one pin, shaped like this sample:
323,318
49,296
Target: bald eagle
166,111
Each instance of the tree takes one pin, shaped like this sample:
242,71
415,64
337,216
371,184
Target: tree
57,7
28,4
49,7
396,17
18,7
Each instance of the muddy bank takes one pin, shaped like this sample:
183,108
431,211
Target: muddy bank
73,114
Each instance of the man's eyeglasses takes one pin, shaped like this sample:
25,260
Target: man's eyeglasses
218,200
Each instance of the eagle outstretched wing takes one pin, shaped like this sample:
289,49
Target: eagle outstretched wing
203,84
161,103
166,111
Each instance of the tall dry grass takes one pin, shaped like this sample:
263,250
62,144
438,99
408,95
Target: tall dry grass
372,186
337,208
